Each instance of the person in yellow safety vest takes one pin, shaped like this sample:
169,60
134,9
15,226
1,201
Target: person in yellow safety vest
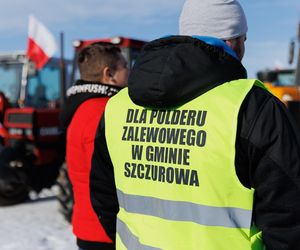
199,156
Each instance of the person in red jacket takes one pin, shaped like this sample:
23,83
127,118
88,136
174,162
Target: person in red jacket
103,72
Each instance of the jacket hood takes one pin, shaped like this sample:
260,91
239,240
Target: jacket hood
173,70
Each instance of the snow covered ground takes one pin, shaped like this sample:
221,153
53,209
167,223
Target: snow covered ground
35,225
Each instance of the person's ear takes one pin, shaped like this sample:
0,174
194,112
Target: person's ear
237,44
107,76
230,43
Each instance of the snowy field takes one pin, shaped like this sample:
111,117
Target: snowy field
35,225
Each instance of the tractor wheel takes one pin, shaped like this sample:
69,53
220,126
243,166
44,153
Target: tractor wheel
65,194
12,193
14,187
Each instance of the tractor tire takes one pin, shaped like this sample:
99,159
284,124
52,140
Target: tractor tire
14,187
13,193
65,194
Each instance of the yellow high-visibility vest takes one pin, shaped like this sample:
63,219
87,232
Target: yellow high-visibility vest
175,173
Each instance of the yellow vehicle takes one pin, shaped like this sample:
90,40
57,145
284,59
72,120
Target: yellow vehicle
285,84
281,83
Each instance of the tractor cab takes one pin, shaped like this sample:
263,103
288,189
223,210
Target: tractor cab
281,83
24,86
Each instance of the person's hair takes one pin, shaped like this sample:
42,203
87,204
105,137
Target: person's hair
95,57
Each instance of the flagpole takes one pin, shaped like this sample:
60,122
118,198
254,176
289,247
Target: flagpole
62,71
24,80
297,76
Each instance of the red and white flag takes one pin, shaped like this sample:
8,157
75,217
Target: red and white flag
41,43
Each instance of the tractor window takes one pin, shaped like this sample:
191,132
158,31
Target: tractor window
10,78
44,87
278,77
286,78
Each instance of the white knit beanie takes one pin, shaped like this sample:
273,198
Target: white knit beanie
223,19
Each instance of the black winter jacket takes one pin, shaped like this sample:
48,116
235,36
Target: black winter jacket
174,70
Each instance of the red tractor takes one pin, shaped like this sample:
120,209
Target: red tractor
32,150
130,49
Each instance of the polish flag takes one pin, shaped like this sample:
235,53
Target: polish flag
41,43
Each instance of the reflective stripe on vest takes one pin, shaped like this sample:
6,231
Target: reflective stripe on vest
175,173
176,210
130,240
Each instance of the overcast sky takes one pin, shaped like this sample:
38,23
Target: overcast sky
272,24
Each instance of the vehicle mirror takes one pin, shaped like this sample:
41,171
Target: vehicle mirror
299,32
291,52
